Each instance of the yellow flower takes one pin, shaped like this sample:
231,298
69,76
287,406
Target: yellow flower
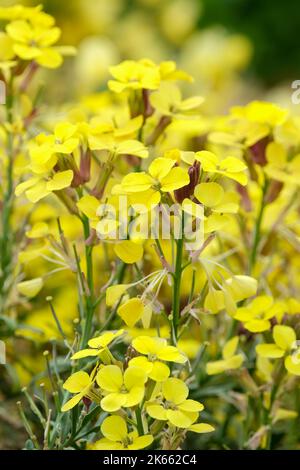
156,350
39,230
231,167
30,288
128,251
285,345
80,384
162,177
262,112
114,293
46,152
233,290
280,167
174,406
116,436
134,75
169,72
97,345
121,390
132,311
256,316
168,101
44,149
20,12
126,147
37,188
65,138
230,360
213,196
34,41
144,74
89,205
6,48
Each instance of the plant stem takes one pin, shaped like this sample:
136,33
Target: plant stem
90,304
6,236
257,229
177,285
139,421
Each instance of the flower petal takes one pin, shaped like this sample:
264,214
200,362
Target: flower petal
201,428
110,378
134,396
191,405
141,442
71,403
175,390
171,353
114,428
60,181
284,336
129,252
131,311
209,194
181,419
160,372
157,412
176,179
85,353
113,402
134,377
271,351
77,382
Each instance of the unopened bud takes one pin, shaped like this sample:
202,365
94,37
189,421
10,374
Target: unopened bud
188,191
258,151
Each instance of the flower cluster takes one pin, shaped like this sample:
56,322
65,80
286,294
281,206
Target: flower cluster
143,389
149,254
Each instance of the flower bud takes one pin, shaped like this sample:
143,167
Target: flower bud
87,403
85,165
258,151
188,191
273,191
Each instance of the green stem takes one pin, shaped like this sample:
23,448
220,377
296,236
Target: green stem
90,303
139,421
177,285
257,229
6,236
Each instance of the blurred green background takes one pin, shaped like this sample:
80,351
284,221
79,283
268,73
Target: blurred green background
273,26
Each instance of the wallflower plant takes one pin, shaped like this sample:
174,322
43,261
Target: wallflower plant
123,336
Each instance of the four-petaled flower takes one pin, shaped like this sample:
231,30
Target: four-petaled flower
163,177
173,405
257,315
285,345
156,350
121,390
